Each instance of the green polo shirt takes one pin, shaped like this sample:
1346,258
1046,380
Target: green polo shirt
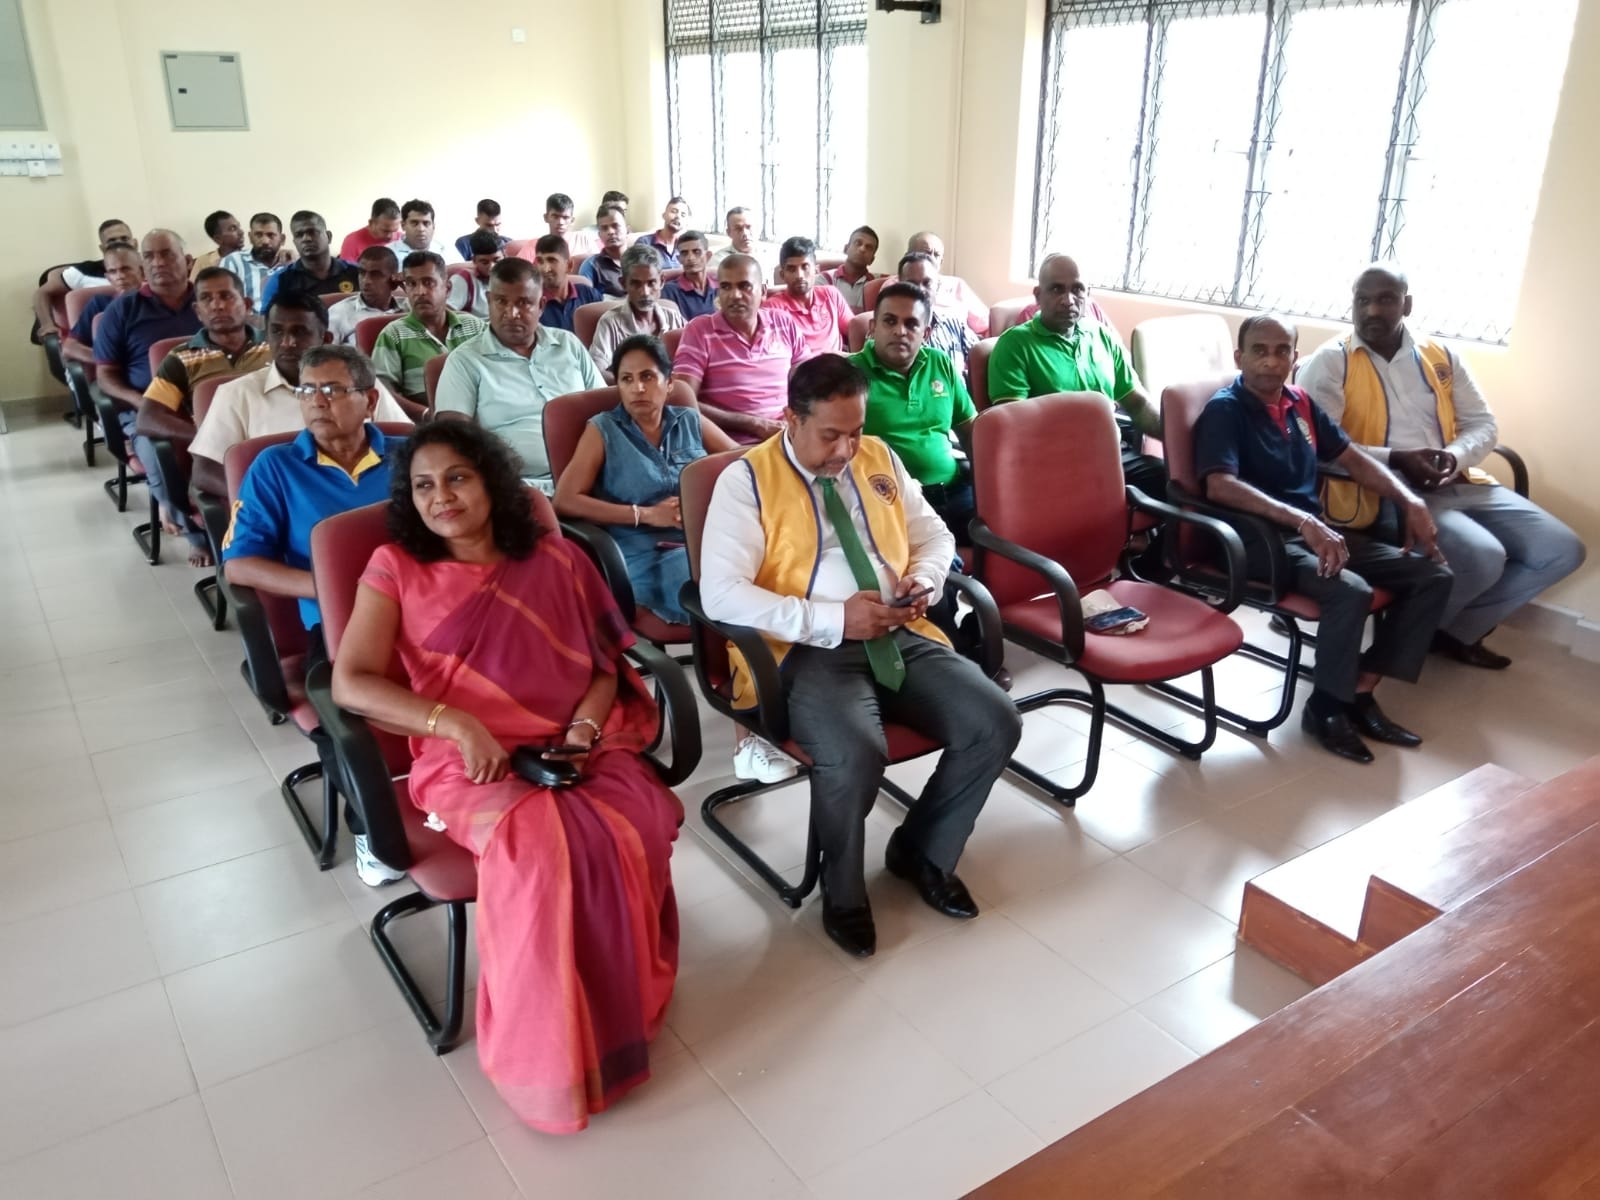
915,412
406,346
1030,360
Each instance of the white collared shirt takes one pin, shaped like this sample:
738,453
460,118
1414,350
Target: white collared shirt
345,315
261,404
1413,408
733,545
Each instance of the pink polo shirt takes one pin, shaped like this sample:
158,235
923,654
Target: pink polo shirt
822,322
741,376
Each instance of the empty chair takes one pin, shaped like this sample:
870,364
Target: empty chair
431,370
1006,313
1169,350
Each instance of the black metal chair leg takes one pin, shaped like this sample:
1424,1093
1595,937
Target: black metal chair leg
148,535
117,488
323,842
1095,699
1293,670
790,893
442,1035
455,987
213,601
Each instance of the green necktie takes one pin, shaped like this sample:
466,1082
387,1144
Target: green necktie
888,668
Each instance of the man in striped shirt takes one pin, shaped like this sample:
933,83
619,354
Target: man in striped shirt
252,266
430,329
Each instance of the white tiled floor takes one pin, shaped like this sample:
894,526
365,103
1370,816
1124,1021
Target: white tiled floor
188,1008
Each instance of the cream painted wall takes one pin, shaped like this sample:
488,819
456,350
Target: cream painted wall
347,101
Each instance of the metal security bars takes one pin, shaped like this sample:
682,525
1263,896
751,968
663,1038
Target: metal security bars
766,110
1257,153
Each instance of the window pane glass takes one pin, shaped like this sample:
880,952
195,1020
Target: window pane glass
693,132
845,148
1323,171
1200,148
1090,141
741,131
793,151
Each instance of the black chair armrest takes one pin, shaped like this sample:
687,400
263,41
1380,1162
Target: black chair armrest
682,715
260,649
1253,531
991,634
52,351
364,775
1227,537
214,515
602,549
111,428
770,716
1053,574
174,473
1519,469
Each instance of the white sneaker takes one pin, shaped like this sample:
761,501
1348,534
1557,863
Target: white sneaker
757,758
370,871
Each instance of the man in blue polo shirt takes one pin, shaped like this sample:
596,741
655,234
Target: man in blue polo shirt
694,292
317,270
563,295
665,239
1257,446
341,461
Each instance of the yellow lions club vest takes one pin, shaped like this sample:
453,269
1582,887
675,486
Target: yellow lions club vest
1366,420
792,520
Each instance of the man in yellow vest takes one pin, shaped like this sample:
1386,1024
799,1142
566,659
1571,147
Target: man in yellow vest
820,540
1412,403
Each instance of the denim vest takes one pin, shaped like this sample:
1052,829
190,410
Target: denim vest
635,472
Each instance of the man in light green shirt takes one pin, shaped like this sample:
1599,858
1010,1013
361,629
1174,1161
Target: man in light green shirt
431,328
916,400
1063,350
505,375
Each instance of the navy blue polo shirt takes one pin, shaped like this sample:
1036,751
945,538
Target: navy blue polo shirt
292,486
83,331
558,313
668,252
1275,449
134,322
691,304
344,277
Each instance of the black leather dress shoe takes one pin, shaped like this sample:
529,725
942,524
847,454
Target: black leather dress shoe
1370,720
940,890
851,929
1337,735
1474,654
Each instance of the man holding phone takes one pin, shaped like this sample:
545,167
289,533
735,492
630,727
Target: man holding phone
822,541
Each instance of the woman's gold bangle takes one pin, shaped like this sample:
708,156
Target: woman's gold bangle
433,717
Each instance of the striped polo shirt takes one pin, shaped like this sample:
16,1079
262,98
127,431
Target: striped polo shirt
406,346
199,359
741,375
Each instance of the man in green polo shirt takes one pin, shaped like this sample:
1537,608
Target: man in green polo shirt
916,400
430,329
1064,350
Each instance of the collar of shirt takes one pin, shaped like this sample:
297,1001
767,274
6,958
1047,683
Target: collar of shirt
452,320
494,348
145,293
788,448
876,366
305,445
1407,347
202,340
272,381
705,288
760,337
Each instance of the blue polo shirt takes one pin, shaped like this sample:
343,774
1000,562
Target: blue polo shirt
557,314
343,277
691,304
134,322
667,251
1274,448
465,250
83,331
289,488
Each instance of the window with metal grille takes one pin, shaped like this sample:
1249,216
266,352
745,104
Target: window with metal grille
1258,153
766,102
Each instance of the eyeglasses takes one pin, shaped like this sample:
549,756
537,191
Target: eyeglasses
327,391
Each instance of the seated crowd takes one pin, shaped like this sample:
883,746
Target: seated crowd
832,538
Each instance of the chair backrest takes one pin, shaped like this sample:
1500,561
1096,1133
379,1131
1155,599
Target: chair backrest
978,372
431,370
859,330
368,329
670,340
565,417
74,302
586,319
1181,405
204,392
575,262
282,612
670,273
1168,350
869,294
695,485
160,350
829,262
463,269
1047,473
1007,313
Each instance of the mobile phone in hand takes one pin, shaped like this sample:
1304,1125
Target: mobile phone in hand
565,751
909,598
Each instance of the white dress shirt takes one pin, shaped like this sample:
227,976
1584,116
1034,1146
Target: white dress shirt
733,545
345,315
261,404
1413,408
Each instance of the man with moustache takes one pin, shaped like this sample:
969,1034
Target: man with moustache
563,294
431,328
124,272
693,292
266,252
604,270
643,312
664,241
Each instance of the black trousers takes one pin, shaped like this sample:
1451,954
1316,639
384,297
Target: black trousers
317,652
836,714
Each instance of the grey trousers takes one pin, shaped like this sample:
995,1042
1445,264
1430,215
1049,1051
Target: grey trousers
1403,631
836,715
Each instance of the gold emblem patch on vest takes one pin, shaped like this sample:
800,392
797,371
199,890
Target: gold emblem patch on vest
885,487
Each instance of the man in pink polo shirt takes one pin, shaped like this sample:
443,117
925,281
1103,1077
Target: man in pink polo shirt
821,312
737,361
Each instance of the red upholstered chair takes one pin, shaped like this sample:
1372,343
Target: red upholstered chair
670,340
79,377
160,350
586,319
575,263
564,420
670,273
368,329
1039,559
431,370
978,372
129,469
869,294
373,763
829,262
1004,315
770,717
858,331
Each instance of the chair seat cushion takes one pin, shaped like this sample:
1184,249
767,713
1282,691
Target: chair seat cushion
1184,634
904,744
439,867
652,628
1307,609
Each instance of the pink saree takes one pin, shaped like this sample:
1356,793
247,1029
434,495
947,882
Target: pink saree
577,925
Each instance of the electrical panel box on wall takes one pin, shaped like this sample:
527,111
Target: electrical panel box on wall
204,91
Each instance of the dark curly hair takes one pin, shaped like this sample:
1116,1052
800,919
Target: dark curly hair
510,511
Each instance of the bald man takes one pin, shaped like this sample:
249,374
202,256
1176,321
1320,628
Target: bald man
1411,402
952,291
1063,349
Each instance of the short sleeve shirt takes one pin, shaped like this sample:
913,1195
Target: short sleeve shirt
1031,360
691,303
742,376
915,412
134,322
557,314
619,323
289,488
604,272
667,251
822,322
83,331
405,347
185,368
342,277
1274,448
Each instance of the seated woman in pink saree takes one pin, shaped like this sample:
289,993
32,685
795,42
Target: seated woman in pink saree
509,638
